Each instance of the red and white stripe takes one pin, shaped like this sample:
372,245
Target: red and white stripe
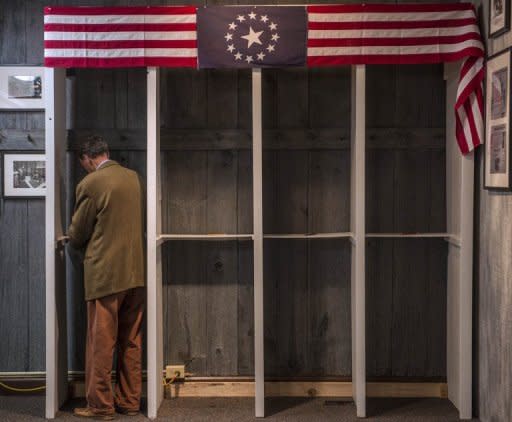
120,36
469,108
406,33
398,33
337,34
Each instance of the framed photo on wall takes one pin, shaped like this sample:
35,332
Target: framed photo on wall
499,17
21,87
497,174
24,175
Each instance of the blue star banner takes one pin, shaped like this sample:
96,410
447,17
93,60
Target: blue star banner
251,36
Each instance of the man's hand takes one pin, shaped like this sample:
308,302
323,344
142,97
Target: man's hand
63,239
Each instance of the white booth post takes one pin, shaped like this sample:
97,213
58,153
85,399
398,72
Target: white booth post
357,227
154,247
459,224
257,165
55,145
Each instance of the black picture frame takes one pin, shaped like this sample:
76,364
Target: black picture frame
499,17
498,104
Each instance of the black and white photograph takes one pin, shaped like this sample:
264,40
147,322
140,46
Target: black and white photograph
21,88
498,160
499,93
499,17
24,175
497,118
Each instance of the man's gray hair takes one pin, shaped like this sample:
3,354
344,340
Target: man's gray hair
93,146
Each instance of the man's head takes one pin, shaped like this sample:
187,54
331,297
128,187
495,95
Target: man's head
92,152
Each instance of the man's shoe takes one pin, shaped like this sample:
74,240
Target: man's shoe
86,412
126,412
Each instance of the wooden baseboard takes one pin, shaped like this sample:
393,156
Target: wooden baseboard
343,389
215,388
244,387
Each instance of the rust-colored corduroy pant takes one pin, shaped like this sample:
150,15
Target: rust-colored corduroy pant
114,320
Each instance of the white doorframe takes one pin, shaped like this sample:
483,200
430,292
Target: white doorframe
154,247
55,146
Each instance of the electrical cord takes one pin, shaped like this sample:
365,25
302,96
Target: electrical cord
167,383
22,390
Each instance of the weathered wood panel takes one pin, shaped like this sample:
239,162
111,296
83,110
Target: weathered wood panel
185,301
36,281
245,99
406,302
34,31
330,344
328,97
493,283
202,191
380,182
183,102
269,84
244,193
14,288
289,184
286,308
95,98
313,139
329,192
245,309
412,201
494,304
405,192
379,305
292,98
222,97
221,203
184,192
222,264
21,257
426,108
13,40
222,308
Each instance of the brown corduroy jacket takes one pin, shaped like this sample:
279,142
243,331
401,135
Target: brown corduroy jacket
108,222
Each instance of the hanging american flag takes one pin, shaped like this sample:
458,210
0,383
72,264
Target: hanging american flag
120,36
336,35
406,33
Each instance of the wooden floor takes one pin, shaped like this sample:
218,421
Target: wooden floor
15,408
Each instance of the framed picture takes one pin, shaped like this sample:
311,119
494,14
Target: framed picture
24,175
21,87
497,174
499,17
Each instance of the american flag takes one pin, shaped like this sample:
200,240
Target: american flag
120,36
406,33
337,35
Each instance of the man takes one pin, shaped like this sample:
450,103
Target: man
108,223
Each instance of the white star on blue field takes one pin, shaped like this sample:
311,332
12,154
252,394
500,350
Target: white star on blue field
260,36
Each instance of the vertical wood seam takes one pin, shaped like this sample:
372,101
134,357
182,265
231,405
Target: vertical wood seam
27,350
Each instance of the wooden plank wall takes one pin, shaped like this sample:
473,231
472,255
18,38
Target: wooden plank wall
206,118
22,296
209,284
405,192
492,330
